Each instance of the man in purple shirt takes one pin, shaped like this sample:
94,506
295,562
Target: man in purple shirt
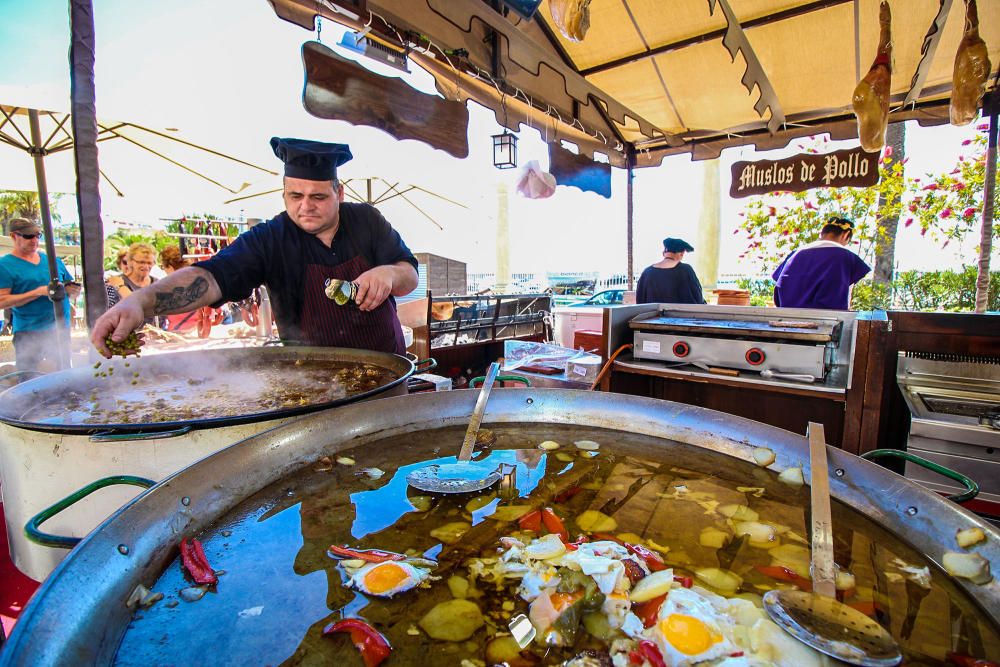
820,274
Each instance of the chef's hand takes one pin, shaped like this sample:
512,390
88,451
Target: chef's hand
125,317
374,287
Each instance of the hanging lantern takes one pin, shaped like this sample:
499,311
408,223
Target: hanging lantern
505,150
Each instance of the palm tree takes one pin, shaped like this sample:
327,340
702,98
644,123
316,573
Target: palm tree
23,204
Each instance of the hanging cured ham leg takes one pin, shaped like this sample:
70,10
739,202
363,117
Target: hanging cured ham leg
972,69
571,17
871,97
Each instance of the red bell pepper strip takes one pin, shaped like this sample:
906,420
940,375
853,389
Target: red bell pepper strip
574,545
784,574
651,653
567,494
966,661
554,524
649,610
651,559
367,555
686,582
372,645
531,521
193,558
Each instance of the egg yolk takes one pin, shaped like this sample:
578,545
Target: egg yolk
687,634
385,577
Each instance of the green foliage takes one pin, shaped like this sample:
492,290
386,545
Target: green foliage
950,291
761,290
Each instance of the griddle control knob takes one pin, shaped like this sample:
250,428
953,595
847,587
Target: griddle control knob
681,349
755,356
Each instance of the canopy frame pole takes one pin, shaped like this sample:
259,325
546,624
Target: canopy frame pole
629,212
57,291
83,120
989,187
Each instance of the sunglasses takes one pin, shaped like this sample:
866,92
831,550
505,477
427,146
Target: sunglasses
28,236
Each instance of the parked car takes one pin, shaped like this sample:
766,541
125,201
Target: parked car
608,297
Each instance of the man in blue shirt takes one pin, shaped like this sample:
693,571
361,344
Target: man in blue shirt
317,238
820,274
24,279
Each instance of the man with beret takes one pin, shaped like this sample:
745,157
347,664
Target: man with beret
24,280
670,280
820,274
316,238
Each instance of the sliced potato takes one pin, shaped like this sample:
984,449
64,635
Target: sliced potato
792,556
549,445
451,533
596,522
631,538
504,650
763,456
738,512
970,536
587,445
549,546
421,503
453,621
459,587
792,477
564,457
845,580
967,566
652,586
724,581
760,534
713,538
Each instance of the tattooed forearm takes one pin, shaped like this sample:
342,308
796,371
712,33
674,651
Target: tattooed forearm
180,298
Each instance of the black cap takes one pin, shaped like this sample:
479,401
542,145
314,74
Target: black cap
310,160
677,245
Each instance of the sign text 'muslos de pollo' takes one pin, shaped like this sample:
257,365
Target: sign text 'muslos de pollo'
847,168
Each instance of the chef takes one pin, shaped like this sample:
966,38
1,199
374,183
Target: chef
318,237
820,274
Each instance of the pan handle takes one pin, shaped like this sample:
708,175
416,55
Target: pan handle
971,487
31,529
111,436
424,365
500,378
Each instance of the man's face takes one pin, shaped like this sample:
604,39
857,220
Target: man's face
141,265
313,205
25,244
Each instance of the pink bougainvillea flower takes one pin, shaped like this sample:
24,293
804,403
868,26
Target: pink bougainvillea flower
909,221
969,212
958,187
888,151
923,232
967,142
983,127
913,208
932,186
736,231
946,213
945,244
771,211
809,205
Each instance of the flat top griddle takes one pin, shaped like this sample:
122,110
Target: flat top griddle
825,331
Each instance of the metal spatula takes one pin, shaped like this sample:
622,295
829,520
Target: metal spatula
817,618
466,475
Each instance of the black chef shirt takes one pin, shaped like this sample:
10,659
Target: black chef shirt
276,253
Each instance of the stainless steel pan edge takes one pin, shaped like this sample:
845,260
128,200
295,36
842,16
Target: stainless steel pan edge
78,615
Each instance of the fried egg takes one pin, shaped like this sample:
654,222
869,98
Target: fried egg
690,630
387,579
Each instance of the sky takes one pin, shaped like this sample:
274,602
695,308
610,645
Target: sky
227,74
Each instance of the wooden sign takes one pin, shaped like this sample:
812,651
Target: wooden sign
853,167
